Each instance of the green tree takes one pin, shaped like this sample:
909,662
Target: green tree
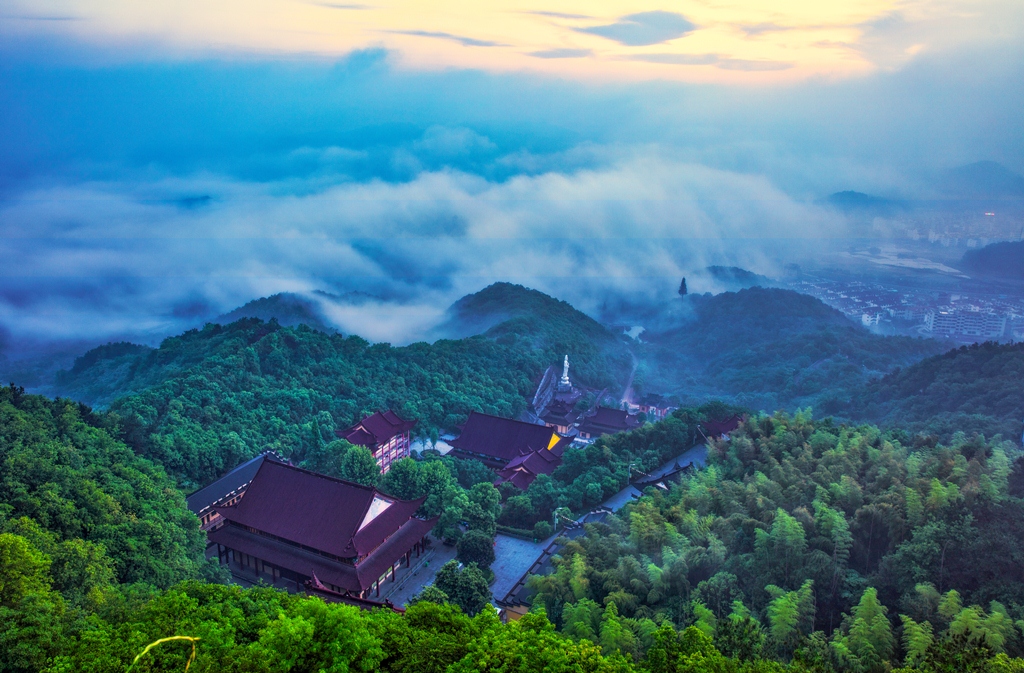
359,465
476,547
917,638
870,637
465,587
31,613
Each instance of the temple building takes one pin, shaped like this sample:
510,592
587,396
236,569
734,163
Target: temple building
226,491
295,528
384,434
518,451
655,407
561,417
606,421
721,427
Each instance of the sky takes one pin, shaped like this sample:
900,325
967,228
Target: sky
164,162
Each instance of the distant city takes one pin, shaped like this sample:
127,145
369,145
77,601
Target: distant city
955,316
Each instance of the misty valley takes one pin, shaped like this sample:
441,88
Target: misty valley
746,480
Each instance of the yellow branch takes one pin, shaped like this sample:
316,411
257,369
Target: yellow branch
191,658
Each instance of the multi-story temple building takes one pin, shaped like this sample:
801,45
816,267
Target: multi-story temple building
561,417
296,528
518,451
384,434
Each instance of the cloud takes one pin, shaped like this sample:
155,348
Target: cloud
341,5
562,53
710,59
644,28
105,260
675,59
559,15
762,28
751,66
464,41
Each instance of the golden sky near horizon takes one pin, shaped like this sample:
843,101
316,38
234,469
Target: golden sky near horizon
691,40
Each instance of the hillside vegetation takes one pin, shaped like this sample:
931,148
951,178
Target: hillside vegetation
807,539
999,260
969,389
101,514
771,349
804,547
530,320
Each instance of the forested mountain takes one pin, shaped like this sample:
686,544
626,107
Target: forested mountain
998,260
969,389
99,514
205,400
212,397
288,308
527,319
771,349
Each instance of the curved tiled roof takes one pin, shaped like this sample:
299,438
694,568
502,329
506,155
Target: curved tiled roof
232,481
317,511
501,438
376,429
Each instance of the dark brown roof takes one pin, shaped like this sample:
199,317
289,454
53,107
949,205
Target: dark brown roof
501,438
721,427
608,421
315,587
376,429
233,481
350,577
317,511
560,413
522,470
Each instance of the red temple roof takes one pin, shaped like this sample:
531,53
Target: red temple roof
722,427
376,429
606,421
503,439
356,578
331,515
522,470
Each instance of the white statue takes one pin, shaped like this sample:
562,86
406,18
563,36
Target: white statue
565,374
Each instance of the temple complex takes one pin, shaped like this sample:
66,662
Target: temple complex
295,528
384,434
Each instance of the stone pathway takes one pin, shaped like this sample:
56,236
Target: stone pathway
410,581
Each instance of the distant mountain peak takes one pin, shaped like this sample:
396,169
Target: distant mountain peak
288,308
982,179
850,201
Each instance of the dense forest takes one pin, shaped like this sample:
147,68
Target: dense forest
205,400
846,544
210,398
971,389
803,546
794,551
770,349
